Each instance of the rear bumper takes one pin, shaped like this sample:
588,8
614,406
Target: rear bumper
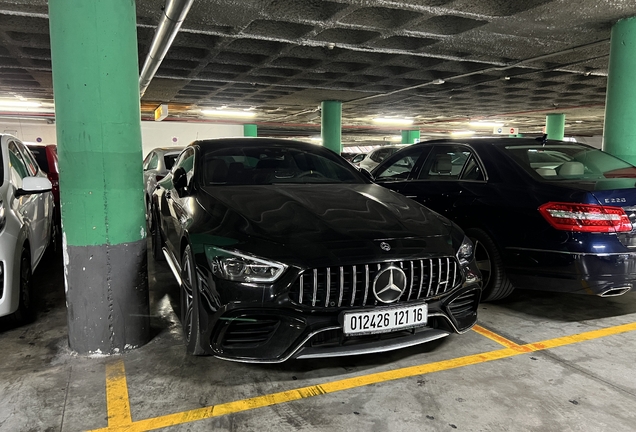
584,273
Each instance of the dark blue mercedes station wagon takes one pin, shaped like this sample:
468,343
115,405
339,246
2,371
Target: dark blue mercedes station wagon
543,214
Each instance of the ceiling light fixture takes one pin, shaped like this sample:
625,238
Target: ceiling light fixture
228,113
19,104
486,124
393,121
462,133
438,81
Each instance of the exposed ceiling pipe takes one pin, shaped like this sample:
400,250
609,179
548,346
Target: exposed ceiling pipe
174,14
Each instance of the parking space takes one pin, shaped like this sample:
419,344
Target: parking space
537,361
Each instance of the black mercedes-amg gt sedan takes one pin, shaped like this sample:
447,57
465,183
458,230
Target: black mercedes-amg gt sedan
283,250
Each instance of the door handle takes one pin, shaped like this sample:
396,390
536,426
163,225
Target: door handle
414,196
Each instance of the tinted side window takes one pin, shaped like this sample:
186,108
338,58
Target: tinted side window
153,162
400,168
379,155
446,162
472,170
31,164
186,161
17,162
40,157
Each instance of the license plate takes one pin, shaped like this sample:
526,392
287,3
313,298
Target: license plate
384,320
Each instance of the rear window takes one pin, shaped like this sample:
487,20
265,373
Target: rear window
570,162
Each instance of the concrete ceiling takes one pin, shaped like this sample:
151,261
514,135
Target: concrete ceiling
441,62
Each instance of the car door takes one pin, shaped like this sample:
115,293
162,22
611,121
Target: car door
399,169
32,208
176,205
448,179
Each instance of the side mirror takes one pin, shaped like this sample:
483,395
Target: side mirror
180,181
366,173
34,185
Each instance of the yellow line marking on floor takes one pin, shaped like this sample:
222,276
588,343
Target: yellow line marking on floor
499,339
117,402
334,386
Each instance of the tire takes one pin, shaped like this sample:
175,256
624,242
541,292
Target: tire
26,311
496,285
189,307
156,240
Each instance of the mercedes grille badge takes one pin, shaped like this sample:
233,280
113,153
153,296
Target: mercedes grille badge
389,284
385,246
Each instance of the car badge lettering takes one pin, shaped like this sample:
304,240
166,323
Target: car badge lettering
389,284
615,200
385,246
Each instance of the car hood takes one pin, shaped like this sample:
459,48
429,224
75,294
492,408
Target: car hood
324,222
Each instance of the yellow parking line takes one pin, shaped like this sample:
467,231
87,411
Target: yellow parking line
117,401
500,339
121,410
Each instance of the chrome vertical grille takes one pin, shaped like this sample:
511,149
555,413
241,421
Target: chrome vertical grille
352,286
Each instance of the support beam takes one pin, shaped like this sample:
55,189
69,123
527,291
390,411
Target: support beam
95,81
620,105
331,125
555,126
410,136
250,130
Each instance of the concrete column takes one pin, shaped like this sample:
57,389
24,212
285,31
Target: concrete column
250,130
410,136
620,104
555,126
331,125
96,87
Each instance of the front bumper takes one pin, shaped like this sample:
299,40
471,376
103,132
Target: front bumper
583,273
276,334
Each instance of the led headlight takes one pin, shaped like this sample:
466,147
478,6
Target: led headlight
465,252
239,267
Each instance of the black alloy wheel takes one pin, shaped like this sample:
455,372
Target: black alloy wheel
26,307
496,285
155,240
189,303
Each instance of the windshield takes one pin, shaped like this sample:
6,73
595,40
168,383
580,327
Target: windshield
270,165
570,162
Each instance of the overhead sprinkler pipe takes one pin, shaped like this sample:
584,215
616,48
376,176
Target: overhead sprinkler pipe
174,14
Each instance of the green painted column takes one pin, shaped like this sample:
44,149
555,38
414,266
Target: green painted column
331,125
250,130
555,126
619,135
410,136
95,82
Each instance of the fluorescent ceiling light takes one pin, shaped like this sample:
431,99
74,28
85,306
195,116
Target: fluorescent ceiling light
19,104
393,121
228,113
462,133
488,124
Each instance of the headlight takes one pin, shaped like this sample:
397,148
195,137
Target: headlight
239,267
465,252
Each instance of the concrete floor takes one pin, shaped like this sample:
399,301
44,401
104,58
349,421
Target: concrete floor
465,382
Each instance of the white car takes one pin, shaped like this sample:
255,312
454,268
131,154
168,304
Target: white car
374,157
26,224
156,165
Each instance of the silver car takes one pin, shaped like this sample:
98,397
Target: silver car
156,165
26,222
373,158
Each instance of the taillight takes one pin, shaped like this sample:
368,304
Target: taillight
159,177
585,217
